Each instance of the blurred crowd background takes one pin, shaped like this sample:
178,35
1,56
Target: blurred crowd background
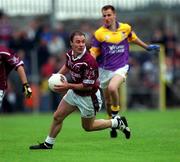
39,33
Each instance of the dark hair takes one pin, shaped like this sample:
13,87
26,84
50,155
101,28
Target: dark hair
73,34
106,7
1,13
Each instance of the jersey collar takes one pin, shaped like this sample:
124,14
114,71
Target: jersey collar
117,25
79,56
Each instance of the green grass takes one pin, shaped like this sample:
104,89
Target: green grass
155,138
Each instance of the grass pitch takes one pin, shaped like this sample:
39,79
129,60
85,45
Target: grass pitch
155,138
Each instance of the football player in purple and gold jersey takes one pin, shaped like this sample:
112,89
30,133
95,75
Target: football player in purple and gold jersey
82,94
9,61
110,47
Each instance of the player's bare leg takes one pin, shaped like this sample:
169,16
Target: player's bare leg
107,102
63,110
113,90
92,124
107,96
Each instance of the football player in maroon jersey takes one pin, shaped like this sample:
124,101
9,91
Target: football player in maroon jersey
9,61
82,94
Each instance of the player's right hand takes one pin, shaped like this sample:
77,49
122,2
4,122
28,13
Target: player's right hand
153,47
27,90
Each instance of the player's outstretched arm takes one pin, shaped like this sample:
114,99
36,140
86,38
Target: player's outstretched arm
26,88
139,42
151,47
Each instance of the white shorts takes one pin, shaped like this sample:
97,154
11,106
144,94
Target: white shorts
1,97
85,104
106,75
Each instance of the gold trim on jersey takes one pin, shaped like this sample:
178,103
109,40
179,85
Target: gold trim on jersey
103,34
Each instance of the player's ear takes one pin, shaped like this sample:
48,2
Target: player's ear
115,15
71,43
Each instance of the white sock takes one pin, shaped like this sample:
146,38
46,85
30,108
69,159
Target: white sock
50,140
114,123
114,115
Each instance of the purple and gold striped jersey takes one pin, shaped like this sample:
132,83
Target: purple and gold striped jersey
112,47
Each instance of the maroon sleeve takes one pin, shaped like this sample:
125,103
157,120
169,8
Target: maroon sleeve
14,60
68,57
10,57
66,62
8,61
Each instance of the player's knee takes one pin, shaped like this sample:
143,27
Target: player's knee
112,89
57,117
87,128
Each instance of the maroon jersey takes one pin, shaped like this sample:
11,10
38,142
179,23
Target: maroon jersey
8,61
83,69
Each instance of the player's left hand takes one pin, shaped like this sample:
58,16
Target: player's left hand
61,88
153,47
27,90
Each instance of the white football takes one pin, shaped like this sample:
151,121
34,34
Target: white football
56,79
